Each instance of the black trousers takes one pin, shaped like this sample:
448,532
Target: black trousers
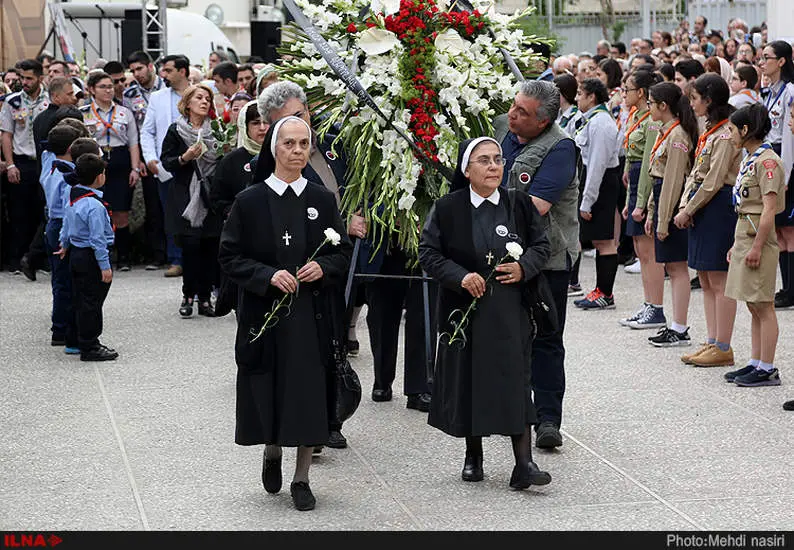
37,251
386,299
548,356
199,265
25,209
88,296
153,225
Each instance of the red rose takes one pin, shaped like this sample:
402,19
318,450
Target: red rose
227,117
352,28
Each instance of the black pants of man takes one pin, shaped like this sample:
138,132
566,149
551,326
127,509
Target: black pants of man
25,209
199,264
88,296
548,356
153,225
386,299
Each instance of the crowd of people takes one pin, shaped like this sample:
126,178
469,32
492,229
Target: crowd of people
671,155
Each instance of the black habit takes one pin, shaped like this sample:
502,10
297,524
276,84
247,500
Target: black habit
482,387
282,377
233,174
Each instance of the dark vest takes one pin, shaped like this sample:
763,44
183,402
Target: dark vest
562,220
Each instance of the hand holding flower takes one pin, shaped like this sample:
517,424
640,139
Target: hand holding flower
474,284
284,281
310,272
511,273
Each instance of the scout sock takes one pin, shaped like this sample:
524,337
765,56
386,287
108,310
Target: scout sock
575,270
754,362
722,346
768,367
678,328
606,270
711,340
123,244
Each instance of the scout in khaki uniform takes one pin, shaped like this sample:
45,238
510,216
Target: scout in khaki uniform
759,194
638,141
670,162
706,209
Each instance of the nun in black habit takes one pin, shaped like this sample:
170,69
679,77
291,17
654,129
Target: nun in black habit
273,227
481,384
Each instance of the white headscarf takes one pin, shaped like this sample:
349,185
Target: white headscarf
464,162
243,139
277,129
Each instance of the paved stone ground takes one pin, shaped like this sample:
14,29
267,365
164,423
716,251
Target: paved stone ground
146,442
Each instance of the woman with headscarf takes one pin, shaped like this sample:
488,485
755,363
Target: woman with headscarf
190,153
481,382
235,173
273,228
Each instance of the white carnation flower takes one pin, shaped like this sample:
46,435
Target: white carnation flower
514,250
333,237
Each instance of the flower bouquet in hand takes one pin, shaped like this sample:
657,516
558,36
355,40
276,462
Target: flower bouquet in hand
477,286
289,284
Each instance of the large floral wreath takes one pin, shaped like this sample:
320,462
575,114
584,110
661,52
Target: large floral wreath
438,74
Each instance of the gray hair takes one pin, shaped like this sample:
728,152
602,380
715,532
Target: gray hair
275,96
546,93
603,43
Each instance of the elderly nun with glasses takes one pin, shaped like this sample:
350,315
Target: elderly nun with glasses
285,245
485,245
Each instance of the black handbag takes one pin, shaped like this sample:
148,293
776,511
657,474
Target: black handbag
346,387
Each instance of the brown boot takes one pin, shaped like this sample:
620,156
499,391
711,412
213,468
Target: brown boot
687,358
714,357
173,271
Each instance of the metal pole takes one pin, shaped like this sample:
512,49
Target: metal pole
352,271
550,13
163,13
646,19
428,345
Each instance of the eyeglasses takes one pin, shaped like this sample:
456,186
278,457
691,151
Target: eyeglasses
104,87
627,90
485,162
768,57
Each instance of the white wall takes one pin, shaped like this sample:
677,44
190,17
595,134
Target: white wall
780,20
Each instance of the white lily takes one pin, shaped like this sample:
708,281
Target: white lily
376,41
451,42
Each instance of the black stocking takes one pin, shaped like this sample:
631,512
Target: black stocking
474,446
522,450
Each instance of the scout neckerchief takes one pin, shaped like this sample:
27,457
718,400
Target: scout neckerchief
30,105
78,193
566,119
107,124
746,165
661,137
769,105
704,137
589,115
752,94
620,120
634,127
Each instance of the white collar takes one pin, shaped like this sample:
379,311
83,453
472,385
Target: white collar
279,185
477,200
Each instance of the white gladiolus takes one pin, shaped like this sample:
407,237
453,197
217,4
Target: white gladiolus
514,250
406,202
332,236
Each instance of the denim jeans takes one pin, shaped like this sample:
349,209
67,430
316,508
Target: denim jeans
173,252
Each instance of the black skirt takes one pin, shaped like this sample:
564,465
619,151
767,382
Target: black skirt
117,191
785,218
675,247
602,225
634,229
711,233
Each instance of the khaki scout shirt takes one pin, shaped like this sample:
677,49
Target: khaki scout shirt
16,118
763,176
124,130
640,143
717,165
671,163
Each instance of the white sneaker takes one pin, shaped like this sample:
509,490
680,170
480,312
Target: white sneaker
589,253
633,268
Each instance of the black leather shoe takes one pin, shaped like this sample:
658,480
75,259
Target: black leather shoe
548,436
186,309
381,395
271,475
28,270
419,402
302,496
472,468
206,309
99,353
58,340
788,405
523,477
336,440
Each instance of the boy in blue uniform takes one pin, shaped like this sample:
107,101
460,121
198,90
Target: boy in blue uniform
86,235
56,193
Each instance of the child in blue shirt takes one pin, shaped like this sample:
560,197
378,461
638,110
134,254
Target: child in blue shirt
56,194
86,236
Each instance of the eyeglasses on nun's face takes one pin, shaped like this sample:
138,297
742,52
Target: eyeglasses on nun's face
485,161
